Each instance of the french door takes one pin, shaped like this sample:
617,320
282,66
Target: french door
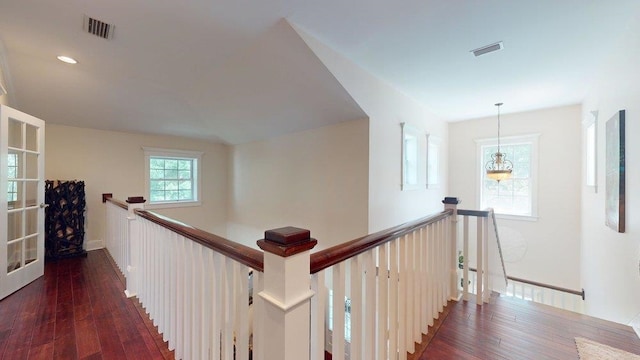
21,199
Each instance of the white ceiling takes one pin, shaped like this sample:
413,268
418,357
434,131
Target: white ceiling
235,71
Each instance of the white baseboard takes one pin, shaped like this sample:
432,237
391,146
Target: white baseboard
635,324
94,245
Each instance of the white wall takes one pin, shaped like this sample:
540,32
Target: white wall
610,260
387,108
113,162
553,241
315,179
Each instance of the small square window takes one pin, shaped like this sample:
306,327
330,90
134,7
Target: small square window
172,177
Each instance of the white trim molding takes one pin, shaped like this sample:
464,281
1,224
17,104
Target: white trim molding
196,156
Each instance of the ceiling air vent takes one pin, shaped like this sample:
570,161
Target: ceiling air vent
98,28
487,49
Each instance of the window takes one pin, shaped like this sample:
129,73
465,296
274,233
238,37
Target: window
433,161
172,177
591,136
410,156
515,196
12,173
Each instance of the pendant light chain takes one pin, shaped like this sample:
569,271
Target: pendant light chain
498,105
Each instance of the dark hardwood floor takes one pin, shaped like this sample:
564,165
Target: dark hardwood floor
77,311
516,329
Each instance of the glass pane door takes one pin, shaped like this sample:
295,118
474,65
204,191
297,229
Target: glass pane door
21,193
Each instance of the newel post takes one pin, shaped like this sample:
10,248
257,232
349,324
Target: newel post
286,293
452,203
134,202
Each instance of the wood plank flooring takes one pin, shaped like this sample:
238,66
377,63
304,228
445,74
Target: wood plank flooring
517,329
77,311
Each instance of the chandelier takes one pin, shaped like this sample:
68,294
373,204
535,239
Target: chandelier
499,168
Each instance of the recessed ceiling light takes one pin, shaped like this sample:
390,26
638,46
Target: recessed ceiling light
68,60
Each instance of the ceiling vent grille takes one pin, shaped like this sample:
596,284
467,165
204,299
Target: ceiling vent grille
98,28
487,49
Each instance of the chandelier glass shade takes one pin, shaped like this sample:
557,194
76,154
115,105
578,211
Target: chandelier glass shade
499,168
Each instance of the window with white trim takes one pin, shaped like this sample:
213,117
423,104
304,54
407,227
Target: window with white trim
172,177
591,136
410,157
515,196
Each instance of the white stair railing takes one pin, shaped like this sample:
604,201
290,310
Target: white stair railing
369,298
378,294
489,274
194,291
489,264
567,299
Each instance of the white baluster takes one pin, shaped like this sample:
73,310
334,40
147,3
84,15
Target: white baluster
410,317
259,334
393,299
206,299
382,314
166,280
480,266
220,294
188,300
357,306
337,340
370,307
229,310
485,240
153,273
402,298
242,342
439,264
424,298
465,258
196,300
182,298
318,306
173,288
433,262
417,289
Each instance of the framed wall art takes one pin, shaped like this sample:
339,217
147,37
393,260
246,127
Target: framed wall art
615,172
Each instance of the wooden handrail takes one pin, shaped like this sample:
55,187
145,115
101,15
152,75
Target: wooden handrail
495,229
116,202
478,213
243,254
335,254
543,285
552,287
